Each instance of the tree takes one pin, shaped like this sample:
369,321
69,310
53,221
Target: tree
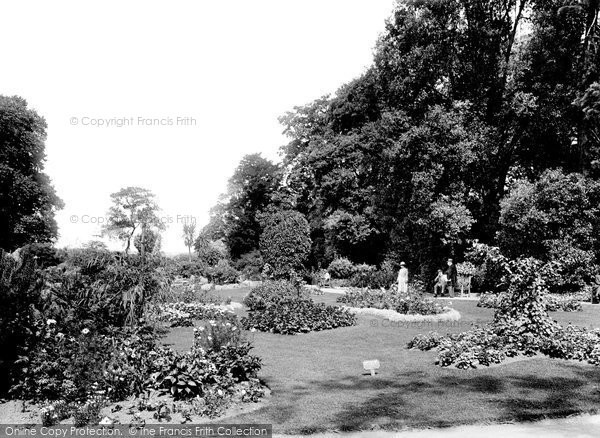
189,236
209,251
556,220
28,201
146,242
557,206
285,243
234,219
133,209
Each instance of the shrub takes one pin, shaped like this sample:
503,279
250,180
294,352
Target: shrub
425,342
285,243
341,268
148,243
491,300
101,290
218,360
21,303
187,268
292,316
250,265
65,365
573,267
488,267
222,273
45,254
371,277
209,253
273,292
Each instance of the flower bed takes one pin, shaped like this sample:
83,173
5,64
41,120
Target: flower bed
447,315
77,376
521,326
183,314
294,316
413,304
566,303
278,307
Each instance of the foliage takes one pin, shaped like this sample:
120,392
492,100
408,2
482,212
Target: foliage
20,303
217,361
27,197
490,266
250,265
566,303
189,236
133,209
235,218
521,326
285,243
59,363
425,342
296,315
193,267
341,267
116,363
209,252
464,98
466,269
222,273
146,241
272,293
371,277
45,254
491,300
102,288
413,304
554,219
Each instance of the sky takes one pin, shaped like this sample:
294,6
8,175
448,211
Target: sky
170,95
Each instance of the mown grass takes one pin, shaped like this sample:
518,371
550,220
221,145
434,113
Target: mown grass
318,383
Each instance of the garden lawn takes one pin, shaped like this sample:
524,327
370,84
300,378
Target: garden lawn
318,383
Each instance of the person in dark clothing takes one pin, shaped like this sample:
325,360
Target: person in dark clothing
451,274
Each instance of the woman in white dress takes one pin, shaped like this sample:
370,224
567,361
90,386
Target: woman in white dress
403,279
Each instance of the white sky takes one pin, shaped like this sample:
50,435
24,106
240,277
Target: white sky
234,66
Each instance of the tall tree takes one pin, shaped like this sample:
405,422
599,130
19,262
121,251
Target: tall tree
28,201
189,237
134,209
235,218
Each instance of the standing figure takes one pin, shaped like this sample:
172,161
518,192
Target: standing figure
452,277
440,283
403,279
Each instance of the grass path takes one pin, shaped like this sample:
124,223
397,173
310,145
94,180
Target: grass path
318,384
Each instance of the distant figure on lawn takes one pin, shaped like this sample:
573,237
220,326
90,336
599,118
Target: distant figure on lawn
403,279
440,282
451,274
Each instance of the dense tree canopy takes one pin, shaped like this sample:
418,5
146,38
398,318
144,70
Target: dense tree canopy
413,158
28,201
